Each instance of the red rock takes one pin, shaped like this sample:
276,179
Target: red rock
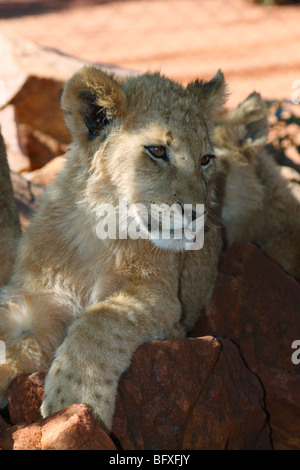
22,437
32,77
71,429
46,175
190,394
22,59
37,104
178,394
39,147
25,395
257,306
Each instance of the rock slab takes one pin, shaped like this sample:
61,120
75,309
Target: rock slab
190,394
257,305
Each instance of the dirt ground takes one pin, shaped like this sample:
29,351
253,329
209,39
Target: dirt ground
257,47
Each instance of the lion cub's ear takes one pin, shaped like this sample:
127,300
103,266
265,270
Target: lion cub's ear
252,113
245,128
90,100
211,95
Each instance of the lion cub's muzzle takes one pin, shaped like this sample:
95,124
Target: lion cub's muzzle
172,227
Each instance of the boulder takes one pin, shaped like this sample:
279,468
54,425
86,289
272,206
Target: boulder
256,304
25,395
190,394
37,104
31,79
71,429
40,148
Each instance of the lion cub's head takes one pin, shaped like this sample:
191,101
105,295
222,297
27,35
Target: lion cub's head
145,140
240,138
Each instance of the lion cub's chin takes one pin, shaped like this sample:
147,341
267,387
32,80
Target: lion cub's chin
172,245
186,241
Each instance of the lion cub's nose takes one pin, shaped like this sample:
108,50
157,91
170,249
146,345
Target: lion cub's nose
194,215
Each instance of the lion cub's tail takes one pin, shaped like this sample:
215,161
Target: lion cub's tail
9,220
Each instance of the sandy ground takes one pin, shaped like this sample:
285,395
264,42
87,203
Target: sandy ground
257,47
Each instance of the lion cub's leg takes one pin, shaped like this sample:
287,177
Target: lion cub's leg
32,326
99,348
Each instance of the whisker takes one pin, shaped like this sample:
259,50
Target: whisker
213,218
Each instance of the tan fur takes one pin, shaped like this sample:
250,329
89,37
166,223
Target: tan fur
9,220
261,201
95,301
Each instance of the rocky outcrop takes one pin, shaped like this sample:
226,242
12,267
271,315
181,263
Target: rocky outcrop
256,305
178,394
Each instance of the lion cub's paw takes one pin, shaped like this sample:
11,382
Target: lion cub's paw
65,385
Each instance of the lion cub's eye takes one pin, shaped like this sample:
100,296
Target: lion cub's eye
206,159
158,151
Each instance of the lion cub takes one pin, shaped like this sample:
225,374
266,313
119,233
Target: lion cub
261,201
83,302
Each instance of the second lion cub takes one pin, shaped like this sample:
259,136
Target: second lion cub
260,204
84,303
